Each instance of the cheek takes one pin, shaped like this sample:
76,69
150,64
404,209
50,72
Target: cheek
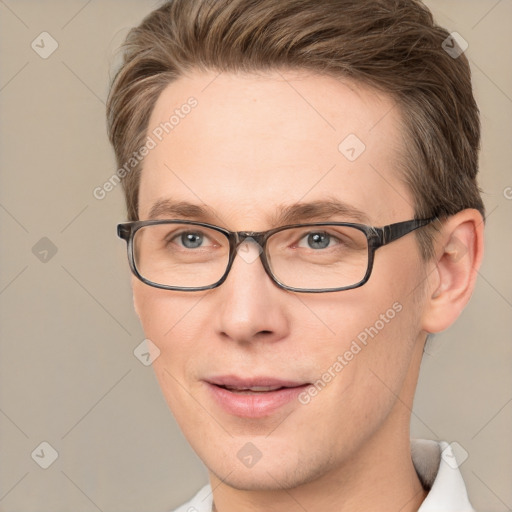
162,311
370,335
361,369
170,320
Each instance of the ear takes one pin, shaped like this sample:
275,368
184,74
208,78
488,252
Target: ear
453,270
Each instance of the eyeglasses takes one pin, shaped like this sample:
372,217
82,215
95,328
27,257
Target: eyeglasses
315,258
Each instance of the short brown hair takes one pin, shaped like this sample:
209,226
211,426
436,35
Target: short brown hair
393,46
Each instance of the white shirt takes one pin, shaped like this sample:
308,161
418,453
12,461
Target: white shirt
437,470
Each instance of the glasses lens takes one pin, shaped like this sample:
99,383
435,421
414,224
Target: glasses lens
181,255
318,257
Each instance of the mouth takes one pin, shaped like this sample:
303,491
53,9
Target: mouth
253,389
253,398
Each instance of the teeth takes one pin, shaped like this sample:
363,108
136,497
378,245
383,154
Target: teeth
256,389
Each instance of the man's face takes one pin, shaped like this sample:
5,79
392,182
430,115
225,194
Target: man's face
252,146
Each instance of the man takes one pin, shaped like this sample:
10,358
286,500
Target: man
300,179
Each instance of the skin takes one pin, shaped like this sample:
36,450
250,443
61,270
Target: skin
252,144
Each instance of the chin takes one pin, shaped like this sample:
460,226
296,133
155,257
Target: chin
262,479
287,468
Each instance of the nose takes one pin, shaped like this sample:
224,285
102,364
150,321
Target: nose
250,306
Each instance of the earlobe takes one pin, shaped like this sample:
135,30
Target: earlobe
459,251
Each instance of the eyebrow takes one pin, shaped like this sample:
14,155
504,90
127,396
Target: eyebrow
322,210
169,209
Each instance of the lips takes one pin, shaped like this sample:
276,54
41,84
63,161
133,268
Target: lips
253,397
252,389
236,382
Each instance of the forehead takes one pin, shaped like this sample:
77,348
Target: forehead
252,143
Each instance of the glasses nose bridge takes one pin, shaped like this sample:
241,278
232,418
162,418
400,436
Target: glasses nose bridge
241,236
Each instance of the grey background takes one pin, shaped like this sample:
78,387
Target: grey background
68,375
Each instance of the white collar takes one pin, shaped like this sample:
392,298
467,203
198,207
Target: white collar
436,467
446,486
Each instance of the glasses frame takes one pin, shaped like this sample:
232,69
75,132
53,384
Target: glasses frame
376,236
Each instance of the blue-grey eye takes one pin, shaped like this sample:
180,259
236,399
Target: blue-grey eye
319,240
191,240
